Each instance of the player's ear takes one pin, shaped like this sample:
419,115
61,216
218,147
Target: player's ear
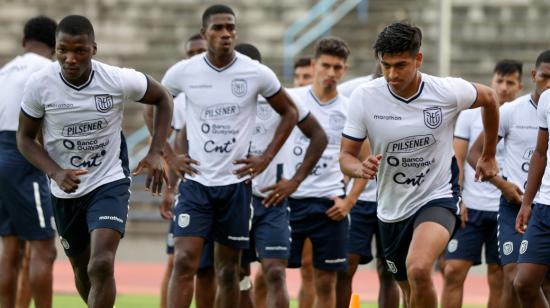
94,51
418,59
533,74
202,32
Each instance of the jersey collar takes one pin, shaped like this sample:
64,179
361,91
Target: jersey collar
84,85
330,102
219,70
532,102
410,99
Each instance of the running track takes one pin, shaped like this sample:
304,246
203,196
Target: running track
144,278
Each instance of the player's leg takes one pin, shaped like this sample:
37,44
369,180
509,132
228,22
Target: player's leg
245,287
205,281
494,268
9,265
495,275
24,292
260,289
169,265
42,257
345,280
306,295
455,274
227,264
388,294
275,279
528,284
509,241
325,288
187,252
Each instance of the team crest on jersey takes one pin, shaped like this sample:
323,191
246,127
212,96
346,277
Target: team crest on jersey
264,111
103,102
507,248
523,247
336,122
452,246
433,117
238,87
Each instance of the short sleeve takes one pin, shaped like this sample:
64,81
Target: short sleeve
542,110
172,79
269,84
465,91
134,84
30,103
303,111
463,125
178,117
505,114
356,128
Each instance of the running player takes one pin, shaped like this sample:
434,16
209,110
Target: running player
318,208
519,133
78,103
480,201
25,204
532,220
303,72
221,89
408,118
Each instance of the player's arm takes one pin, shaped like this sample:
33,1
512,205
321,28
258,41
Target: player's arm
351,165
34,152
318,141
537,166
460,147
285,107
486,166
148,117
158,97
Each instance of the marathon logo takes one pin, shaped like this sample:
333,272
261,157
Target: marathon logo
411,144
84,128
220,111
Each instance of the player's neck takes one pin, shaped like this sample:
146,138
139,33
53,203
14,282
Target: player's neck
220,60
535,97
323,94
411,89
38,48
80,80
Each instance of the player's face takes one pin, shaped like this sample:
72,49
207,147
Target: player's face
541,78
74,54
220,33
328,71
303,76
400,70
195,47
506,86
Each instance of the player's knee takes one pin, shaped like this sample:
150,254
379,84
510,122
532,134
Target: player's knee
227,274
45,255
325,283
101,266
454,275
275,275
419,272
524,287
183,265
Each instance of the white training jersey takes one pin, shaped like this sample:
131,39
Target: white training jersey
325,180
82,126
267,120
13,76
414,136
368,194
543,114
482,196
221,108
178,115
518,129
346,88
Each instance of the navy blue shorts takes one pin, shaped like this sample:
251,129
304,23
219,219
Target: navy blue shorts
535,246
222,213
170,238
328,237
480,230
103,207
25,203
509,239
270,233
363,228
396,237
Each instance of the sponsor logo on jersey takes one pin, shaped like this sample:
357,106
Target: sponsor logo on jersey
415,162
528,153
387,117
391,267
211,146
264,111
220,111
334,261
404,179
523,247
411,144
93,160
59,106
238,87
183,220
452,246
84,128
507,248
103,102
113,218
85,145
433,117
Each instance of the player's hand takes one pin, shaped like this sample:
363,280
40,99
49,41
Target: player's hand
278,192
486,168
369,167
252,166
166,203
463,215
512,193
156,174
184,164
340,209
68,179
523,218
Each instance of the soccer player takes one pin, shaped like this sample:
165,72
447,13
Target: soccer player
221,88
518,132
25,204
480,201
303,72
77,102
408,117
318,207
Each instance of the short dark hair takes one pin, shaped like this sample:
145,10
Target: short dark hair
397,38
249,50
301,62
40,29
76,25
213,10
544,57
508,67
195,37
332,46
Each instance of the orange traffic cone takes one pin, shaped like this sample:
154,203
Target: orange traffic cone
354,302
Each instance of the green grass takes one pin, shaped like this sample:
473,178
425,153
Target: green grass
148,301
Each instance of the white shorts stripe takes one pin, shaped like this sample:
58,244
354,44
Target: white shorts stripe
38,203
